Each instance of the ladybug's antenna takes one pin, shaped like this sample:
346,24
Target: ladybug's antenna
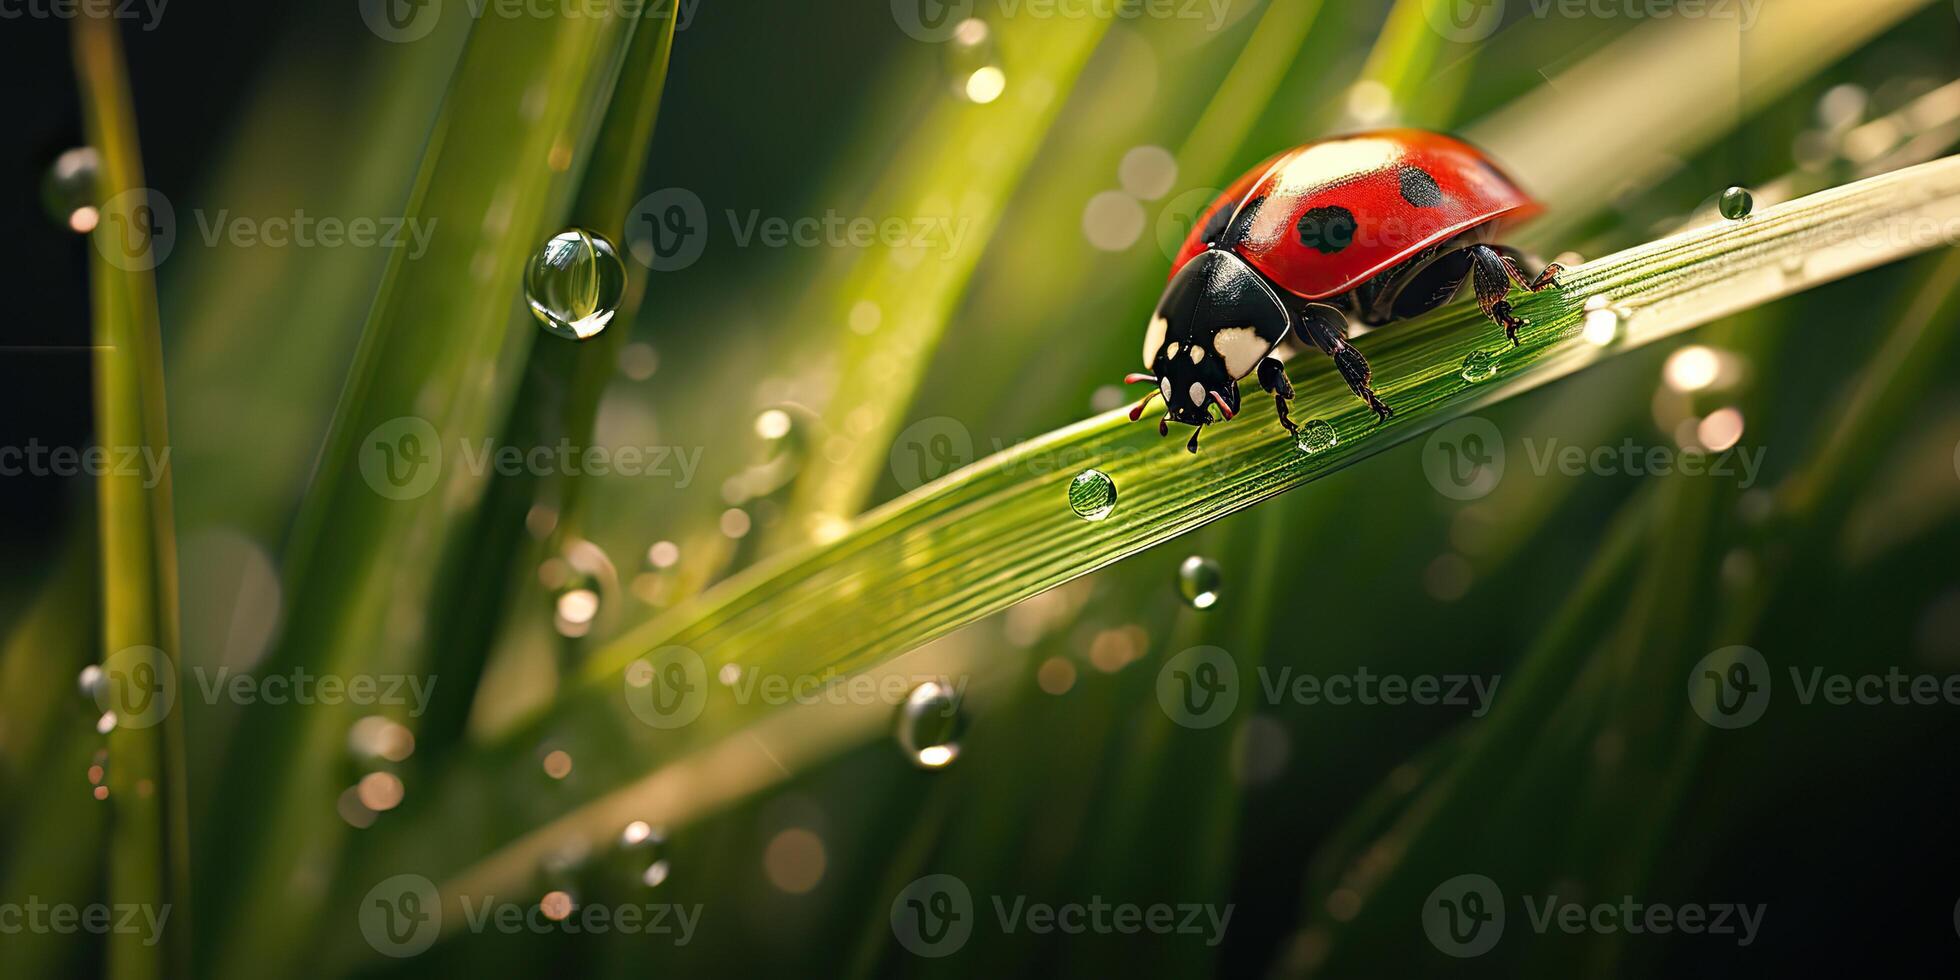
1227,409
1163,427
1192,446
1137,412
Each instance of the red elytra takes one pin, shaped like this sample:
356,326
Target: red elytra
1326,216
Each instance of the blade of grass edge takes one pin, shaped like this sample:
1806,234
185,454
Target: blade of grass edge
149,842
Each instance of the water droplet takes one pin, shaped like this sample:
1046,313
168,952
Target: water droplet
1736,203
929,725
71,190
90,682
1478,365
1092,495
1198,579
1316,436
574,284
973,62
1603,321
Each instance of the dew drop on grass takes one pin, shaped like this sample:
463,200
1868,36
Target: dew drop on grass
1198,579
1316,436
70,189
1092,495
1603,322
90,682
929,725
973,62
1478,365
1736,203
574,284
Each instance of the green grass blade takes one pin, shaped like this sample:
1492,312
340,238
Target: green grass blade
990,146
149,842
441,345
558,399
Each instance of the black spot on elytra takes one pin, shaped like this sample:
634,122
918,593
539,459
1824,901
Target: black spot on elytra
1328,229
1419,189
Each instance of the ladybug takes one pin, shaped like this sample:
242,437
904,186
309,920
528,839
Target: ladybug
1378,226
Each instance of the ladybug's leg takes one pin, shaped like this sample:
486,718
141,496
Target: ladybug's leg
1492,272
1272,377
1326,327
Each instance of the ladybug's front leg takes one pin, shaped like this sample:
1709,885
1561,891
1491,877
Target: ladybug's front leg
1492,272
1326,327
1272,377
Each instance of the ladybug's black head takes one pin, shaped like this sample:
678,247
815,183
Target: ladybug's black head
1217,319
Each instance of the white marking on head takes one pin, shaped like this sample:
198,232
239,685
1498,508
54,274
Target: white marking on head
1242,348
1167,390
1170,349
1153,339
1197,353
1197,393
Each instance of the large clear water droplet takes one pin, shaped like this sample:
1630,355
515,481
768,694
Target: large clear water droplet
71,189
574,284
1317,436
1736,203
1198,579
1092,495
1478,365
929,726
